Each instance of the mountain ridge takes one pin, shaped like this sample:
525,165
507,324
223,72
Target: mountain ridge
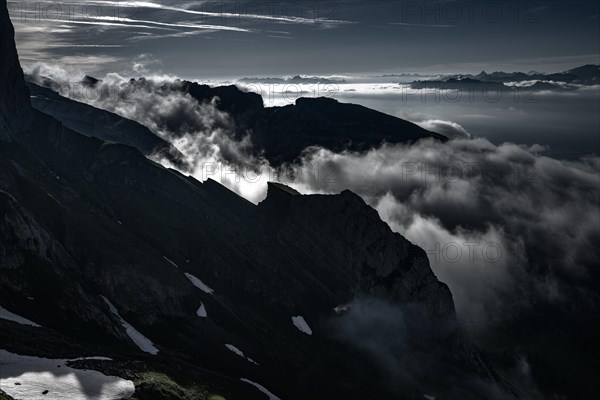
14,105
94,234
280,134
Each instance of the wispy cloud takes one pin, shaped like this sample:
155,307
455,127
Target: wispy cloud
176,25
271,16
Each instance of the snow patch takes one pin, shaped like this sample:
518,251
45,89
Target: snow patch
25,377
199,284
252,361
5,314
171,262
235,350
261,388
300,323
98,358
140,340
341,308
240,353
201,311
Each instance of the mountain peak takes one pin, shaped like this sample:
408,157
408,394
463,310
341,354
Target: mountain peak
15,109
275,186
89,81
315,101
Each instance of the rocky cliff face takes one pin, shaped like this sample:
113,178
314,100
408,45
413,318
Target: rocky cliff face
14,98
82,220
346,238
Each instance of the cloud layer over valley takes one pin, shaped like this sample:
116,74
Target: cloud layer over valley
512,231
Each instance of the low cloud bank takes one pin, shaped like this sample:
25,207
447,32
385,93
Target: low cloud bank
203,133
499,223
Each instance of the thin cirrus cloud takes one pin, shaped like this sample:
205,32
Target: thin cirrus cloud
116,21
103,20
240,15
49,31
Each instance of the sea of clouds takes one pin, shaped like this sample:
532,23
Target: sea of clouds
509,229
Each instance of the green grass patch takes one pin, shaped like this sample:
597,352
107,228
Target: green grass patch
4,396
158,386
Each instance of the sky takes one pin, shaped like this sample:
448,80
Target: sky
233,39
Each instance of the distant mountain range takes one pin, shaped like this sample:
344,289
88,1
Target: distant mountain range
585,75
297,79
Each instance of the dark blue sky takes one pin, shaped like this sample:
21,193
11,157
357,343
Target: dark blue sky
218,39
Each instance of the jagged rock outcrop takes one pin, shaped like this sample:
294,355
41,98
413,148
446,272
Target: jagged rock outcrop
350,245
14,98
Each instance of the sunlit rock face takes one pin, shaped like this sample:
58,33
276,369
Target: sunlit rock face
15,110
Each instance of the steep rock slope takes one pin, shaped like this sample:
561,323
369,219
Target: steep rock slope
96,241
98,123
14,98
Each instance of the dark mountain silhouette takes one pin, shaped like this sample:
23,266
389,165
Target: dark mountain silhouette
14,102
502,76
82,218
472,85
585,75
102,124
282,133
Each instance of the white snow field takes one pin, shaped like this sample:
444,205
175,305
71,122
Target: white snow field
5,314
140,340
25,377
199,284
300,323
263,389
